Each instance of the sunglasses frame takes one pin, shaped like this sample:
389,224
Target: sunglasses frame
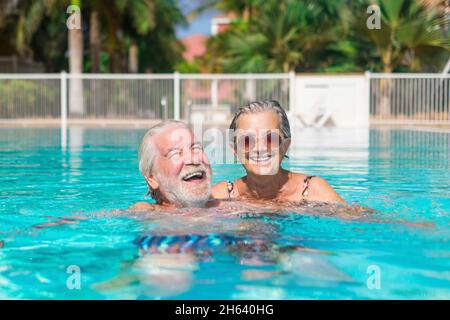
247,147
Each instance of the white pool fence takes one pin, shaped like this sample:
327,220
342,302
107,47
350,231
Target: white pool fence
311,100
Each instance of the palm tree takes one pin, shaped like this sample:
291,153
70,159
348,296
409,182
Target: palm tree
279,37
26,21
241,8
144,28
156,42
411,33
94,40
138,18
127,25
75,53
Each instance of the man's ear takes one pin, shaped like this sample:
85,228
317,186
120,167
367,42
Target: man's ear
152,182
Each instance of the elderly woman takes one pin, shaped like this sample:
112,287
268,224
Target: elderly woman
261,140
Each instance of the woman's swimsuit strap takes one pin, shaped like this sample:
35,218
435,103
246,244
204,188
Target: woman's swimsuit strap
304,193
230,188
306,186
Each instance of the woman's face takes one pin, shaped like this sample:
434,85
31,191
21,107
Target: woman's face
259,144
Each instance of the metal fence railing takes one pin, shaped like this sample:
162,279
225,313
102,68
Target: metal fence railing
392,98
214,98
409,98
30,96
136,96
120,96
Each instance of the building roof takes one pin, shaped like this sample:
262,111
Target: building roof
195,46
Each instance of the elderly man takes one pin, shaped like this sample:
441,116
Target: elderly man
175,167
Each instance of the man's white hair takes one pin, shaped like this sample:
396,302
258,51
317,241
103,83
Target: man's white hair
147,149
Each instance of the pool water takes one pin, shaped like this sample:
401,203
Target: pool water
403,174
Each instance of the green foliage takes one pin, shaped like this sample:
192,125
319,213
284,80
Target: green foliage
189,67
411,31
266,36
37,30
331,36
159,49
40,100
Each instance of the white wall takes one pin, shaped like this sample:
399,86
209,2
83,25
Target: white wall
346,97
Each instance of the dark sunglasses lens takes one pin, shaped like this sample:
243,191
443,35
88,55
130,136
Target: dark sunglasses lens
246,142
273,140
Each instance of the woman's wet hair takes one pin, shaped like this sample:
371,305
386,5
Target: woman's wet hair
261,106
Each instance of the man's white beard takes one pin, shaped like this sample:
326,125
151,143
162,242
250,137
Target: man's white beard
177,194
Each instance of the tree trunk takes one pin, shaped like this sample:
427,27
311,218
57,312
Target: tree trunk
133,63
385,86
97,103
111,48
111,40
75,39
94,42
246,14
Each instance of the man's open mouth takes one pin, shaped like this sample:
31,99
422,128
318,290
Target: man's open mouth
194,176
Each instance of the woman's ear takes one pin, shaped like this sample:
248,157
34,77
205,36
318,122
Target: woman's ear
231,145
285,145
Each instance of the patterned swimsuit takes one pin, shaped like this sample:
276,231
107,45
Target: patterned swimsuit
200,244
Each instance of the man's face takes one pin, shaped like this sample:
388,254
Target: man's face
181,168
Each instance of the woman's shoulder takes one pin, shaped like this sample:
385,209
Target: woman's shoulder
318,188
222,189
301,178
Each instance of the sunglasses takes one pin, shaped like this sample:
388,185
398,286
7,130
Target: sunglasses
247,141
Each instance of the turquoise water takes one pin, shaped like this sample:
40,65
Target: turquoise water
404,174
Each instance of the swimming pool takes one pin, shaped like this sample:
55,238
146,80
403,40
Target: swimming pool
402,173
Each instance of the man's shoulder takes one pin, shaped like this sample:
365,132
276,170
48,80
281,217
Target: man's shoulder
141,206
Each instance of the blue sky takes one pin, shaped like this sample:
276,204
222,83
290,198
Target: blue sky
201,24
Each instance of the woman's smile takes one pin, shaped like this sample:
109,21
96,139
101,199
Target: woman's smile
260,159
